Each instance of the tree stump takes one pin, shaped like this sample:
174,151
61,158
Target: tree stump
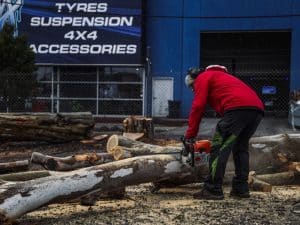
139,124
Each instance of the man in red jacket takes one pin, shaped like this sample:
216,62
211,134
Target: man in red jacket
241,111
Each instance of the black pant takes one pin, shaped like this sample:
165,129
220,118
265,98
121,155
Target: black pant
233,132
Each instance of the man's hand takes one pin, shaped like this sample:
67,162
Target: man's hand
188,144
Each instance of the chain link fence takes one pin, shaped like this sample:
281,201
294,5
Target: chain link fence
16,91
48,91
258,59
105,92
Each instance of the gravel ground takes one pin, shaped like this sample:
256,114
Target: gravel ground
175,206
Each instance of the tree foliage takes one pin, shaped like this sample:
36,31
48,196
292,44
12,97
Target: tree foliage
17,65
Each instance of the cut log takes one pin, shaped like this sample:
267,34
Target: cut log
19,198
139,124
94,140
283,178
294,166
14,166
259,185
120,153
137,148
100,137
47,127
272,154
70,162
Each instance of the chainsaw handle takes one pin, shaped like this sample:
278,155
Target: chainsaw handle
188,145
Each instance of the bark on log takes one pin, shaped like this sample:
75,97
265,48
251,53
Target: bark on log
91,199
19,198
14,166
47,127
70,162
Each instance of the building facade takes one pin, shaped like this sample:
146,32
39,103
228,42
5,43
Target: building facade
257,40
89,54
118,58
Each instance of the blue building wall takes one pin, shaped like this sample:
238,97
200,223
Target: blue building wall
173,33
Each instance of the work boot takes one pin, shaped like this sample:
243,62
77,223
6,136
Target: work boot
207,195
235,193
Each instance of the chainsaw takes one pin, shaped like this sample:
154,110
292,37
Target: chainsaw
195,153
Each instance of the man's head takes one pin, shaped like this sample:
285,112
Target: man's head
191,76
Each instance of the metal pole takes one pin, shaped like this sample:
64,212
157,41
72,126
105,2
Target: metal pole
58,90
97,94
52,91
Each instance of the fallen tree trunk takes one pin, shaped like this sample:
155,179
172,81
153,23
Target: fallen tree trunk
14,166
70,162
272,154
269,154
47,127
22,197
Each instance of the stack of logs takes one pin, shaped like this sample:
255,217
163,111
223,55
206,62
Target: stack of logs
59,127
274,161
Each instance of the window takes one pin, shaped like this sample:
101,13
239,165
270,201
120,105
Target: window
101,90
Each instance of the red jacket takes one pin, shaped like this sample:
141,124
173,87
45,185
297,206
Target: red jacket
222,92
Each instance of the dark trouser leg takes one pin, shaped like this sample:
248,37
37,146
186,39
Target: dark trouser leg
241,156
221,149
241,162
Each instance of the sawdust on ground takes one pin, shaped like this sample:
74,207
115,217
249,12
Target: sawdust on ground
175,206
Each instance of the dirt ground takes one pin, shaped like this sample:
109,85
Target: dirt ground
175,206
167,206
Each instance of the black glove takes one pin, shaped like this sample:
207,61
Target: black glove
188,145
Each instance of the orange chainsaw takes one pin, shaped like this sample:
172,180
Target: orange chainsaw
195,153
